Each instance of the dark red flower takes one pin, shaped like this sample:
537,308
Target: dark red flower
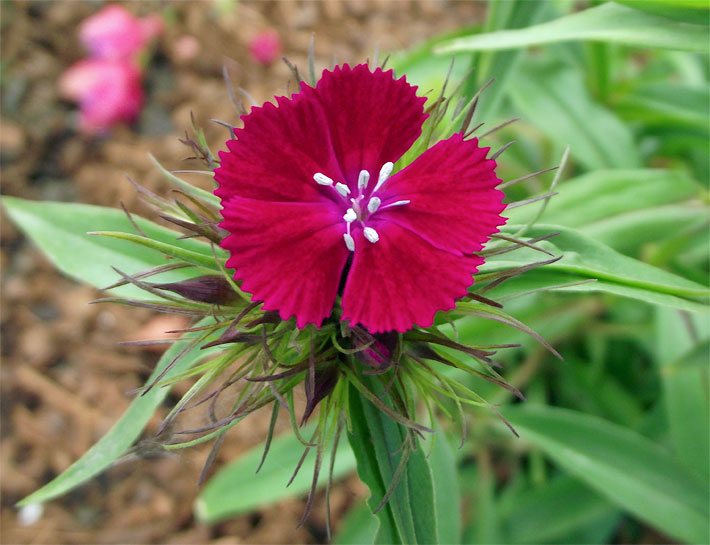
309,196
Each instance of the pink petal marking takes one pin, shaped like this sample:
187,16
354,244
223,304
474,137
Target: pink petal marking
454,204
402,280
372,117
289,255
277,152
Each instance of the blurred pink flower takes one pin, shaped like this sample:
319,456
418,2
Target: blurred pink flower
115,33
265,47
108,92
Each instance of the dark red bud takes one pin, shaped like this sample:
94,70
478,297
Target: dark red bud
325,380
212,289
379,354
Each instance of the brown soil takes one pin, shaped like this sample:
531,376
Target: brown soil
64,378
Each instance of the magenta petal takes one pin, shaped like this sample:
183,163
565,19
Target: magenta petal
372,117
402,280
277,152
289,255
455,205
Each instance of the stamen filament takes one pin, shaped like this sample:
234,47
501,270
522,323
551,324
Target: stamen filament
397,203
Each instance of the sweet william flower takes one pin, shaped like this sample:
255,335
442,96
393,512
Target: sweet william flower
108,92
115,33
316,213
265,47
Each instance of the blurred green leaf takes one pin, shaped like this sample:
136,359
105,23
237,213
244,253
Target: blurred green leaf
561,511
128,428
484,524
358,528
608,22
685,387
667,105
447,492
60,231
237,488
500,64
604,194
621,465
554,99
689,11
627,232
410,514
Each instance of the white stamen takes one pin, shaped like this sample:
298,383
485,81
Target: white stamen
373,204
322,179
385,172
349,241
350,216
371,234
398,203
342,189
363,179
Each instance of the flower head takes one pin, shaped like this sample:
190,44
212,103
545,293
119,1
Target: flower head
115,33
316,212
265,47
108,92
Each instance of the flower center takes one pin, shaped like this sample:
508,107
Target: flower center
357,209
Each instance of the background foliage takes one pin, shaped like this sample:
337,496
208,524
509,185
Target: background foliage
614,441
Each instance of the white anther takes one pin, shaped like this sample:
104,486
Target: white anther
398,203
363,179
385,172
373,204
371,234
342,189
349,241
322,179
350,216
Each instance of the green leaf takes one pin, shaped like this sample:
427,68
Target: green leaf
124,432
605,23
685,397
562,510
500,65
554,99
584,258
689,11
237,488
410,515
447,492
359,527
605,194
621,465
667,105
60,231
628,232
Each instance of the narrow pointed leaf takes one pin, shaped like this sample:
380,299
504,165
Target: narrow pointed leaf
621,465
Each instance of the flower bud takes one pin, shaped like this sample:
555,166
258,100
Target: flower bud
325,380
212,289
379,354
